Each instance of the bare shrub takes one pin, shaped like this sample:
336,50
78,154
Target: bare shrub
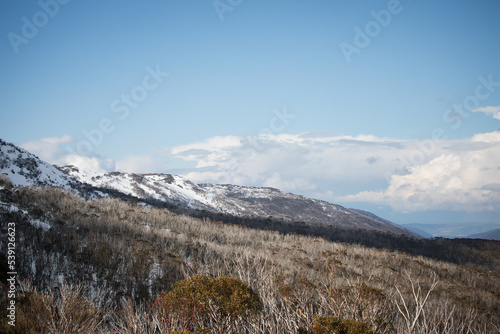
72,312
64,310
412,309
133,251
5,182
134,319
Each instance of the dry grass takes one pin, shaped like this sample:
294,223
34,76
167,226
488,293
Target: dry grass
133,252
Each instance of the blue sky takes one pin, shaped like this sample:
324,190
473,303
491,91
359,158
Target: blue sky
265,93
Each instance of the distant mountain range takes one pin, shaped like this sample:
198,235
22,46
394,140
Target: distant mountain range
24,168
454,230
490,235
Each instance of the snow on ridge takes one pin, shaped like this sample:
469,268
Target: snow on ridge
40,224
157,186
25,169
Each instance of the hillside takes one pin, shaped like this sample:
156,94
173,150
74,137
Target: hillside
124,254
25,168
232,199
111,247
451,229
488,235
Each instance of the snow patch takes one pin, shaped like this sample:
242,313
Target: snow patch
39,224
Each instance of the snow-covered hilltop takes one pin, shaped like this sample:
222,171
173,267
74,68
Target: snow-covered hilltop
24,168
165,187
232,199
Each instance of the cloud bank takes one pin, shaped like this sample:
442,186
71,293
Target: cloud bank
51,150
407,175
464,179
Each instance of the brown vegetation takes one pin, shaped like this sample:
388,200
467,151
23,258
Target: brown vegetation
222,305
122,256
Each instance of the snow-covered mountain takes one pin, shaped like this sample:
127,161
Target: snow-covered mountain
165,187
230,199
24,168
273,202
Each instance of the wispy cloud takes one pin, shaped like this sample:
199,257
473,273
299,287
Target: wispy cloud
494,111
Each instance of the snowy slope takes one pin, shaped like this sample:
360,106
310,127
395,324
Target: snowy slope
26,169
272,202
165,187
232,199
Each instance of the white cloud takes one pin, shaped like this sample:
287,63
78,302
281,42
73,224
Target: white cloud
303,163
461,180
297,184
137,164
213,144
48,148
93,164
51,149
407,175
210,152
488,137
494,111
414,175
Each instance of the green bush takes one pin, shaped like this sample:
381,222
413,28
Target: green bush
223,304
332,325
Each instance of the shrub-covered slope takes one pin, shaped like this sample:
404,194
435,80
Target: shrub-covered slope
124,255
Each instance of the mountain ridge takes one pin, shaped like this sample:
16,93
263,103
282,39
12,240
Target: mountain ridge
255,202
488,235
242,201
